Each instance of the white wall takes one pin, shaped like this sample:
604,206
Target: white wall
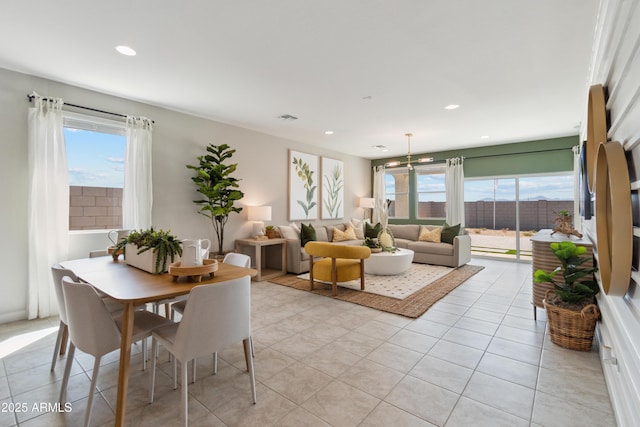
616,65
177,140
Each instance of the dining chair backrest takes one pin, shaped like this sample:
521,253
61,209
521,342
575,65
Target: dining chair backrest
91,326
239,260
215,316
58,272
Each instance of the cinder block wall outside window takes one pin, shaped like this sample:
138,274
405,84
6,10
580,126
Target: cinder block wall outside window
92,208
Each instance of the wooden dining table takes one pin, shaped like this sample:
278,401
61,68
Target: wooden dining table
132,287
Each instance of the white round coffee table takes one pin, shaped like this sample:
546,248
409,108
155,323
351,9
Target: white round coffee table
389,263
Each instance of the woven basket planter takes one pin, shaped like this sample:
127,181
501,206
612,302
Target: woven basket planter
572,329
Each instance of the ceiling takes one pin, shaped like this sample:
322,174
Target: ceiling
368,70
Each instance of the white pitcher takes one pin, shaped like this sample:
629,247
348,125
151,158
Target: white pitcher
193,251
116,235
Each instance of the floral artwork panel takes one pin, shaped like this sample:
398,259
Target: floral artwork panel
332,196
304,187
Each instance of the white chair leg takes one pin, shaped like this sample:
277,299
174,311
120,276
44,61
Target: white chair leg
184,393
56,348
152,379
144,354
94,380
67,372
249,358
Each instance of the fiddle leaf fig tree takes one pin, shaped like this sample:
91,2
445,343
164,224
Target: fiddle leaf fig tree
219,189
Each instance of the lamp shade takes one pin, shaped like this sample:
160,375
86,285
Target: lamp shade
366,202
259,213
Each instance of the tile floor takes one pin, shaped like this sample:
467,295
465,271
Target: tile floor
477,358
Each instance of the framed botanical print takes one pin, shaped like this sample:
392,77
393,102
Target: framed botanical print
303,186
332,194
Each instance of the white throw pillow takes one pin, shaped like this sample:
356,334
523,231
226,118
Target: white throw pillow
288,232
358,227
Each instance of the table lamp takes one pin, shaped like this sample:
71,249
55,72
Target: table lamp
366,203
258,214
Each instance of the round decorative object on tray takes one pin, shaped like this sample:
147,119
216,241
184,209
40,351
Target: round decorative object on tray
596,130
194,273
614,221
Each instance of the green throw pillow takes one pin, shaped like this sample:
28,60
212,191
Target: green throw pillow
449,232
372,231
307,234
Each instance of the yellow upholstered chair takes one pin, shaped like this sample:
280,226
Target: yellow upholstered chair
340,263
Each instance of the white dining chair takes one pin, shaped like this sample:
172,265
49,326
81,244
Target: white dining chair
215,316
58,272
240,260
232,258
94,330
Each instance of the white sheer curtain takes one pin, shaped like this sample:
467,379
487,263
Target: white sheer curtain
48,209
454,181
137,194
380,212
577,218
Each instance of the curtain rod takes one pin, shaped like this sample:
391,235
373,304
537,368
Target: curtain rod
30,97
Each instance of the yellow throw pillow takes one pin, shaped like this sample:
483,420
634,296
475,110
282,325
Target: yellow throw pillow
341,236
427,235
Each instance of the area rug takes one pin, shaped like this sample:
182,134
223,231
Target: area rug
413,306
399,286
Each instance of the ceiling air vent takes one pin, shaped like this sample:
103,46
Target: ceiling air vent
287,117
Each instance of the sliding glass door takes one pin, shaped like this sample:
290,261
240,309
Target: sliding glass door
502,213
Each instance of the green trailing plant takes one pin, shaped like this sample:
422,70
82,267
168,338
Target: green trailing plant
306,175
579,283
163,243
334,185
220,190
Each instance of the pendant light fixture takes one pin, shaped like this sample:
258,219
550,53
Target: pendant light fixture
409,135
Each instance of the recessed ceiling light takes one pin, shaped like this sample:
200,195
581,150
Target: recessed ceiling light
328,132
451,107
484,137
126,50
380,147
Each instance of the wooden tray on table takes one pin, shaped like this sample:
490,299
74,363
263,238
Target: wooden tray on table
194,273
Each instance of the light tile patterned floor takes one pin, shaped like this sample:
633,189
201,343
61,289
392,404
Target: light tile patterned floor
477,358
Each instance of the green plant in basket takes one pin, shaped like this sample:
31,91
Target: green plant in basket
165,245
579,285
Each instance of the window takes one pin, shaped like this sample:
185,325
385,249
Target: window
396,183
95,158
431,191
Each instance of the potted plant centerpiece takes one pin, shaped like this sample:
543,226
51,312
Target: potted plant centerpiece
571,309
372,243
149,250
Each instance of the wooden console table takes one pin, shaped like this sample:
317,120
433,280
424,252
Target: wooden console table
545,259
263,258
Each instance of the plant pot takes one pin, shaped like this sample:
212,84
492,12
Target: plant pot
375,250
271,234
145,261
571,329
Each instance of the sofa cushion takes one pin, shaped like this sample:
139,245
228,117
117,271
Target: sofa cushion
321,234
341,236
372,231
405,231
430,235
307,234
449,232
432,248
